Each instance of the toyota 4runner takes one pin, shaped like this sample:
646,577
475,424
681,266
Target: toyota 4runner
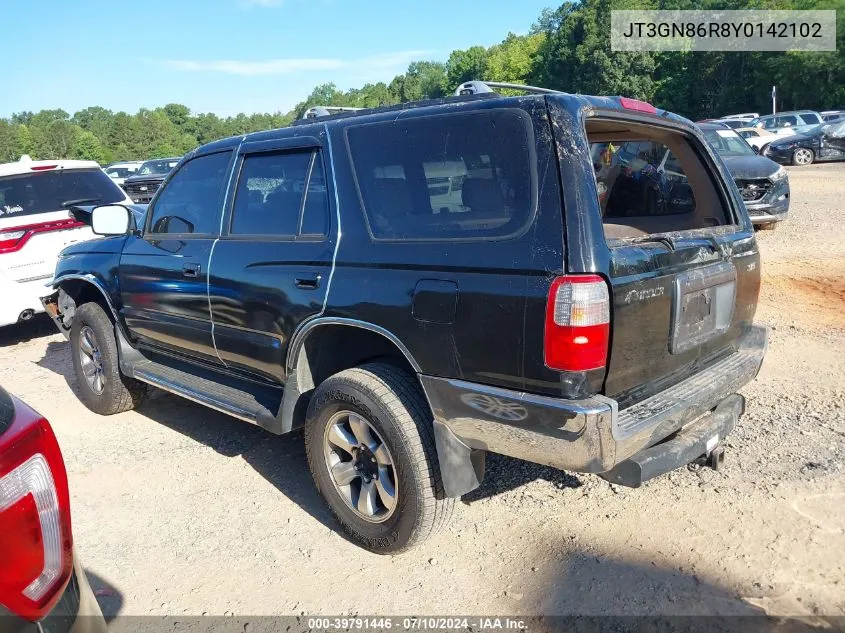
418,285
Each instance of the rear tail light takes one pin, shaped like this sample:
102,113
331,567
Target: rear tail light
14,238
9,240
577,323
35,535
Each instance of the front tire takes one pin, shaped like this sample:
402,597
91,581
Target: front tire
102,388
369,440
803,156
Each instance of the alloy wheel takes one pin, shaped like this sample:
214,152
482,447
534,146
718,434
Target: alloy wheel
803,156
361,466
91,360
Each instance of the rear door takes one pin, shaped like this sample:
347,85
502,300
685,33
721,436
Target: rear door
678,251
270,270
163,273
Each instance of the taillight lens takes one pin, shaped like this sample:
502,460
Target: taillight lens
577,323
14,238
35,535
9,240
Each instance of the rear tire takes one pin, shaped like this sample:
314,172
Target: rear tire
803,156
386,405
102,388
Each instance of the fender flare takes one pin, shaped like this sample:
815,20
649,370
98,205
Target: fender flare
98,284
305,329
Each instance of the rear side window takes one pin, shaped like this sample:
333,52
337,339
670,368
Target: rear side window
282,194
45,191
192,200
810,118
457,176
657,184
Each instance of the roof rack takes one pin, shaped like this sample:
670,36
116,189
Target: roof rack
481,87
318,111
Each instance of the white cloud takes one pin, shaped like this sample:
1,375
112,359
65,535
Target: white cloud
286,66
261,3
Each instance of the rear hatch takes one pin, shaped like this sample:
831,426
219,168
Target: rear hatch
660,218
35,224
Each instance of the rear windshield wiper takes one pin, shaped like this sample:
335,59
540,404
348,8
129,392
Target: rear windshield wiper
658,239
78,201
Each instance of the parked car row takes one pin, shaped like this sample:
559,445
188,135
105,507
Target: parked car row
141,179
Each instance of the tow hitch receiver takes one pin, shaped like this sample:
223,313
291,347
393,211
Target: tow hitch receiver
698,442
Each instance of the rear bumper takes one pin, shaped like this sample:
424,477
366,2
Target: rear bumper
20,299
590,435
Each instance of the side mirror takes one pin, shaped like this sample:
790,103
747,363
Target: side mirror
110,219
756,149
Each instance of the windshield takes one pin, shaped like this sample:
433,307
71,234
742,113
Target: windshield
160,167
27,194
120,172
728,143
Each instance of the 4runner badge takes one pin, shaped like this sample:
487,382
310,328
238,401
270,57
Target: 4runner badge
639,295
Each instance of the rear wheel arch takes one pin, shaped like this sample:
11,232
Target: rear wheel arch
323,348
364,343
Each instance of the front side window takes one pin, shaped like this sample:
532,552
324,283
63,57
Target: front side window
192,200
281,194
458,176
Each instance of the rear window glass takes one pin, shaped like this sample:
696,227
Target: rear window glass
41,192
652,185
458,176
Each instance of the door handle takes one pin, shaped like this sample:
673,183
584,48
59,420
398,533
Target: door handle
190,270
308,281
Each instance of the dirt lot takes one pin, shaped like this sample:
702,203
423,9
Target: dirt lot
181,510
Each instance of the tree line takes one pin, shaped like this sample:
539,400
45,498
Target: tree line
568,49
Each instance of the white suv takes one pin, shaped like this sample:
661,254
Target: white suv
35,224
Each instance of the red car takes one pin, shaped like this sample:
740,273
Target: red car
42,585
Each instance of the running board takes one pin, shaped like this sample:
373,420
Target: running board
251,405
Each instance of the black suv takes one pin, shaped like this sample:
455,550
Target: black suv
143,184
421,284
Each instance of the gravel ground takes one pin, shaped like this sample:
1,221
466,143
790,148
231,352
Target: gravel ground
180,510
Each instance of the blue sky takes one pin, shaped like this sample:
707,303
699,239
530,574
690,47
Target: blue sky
229,56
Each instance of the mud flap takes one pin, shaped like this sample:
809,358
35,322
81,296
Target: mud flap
461,467
699,438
